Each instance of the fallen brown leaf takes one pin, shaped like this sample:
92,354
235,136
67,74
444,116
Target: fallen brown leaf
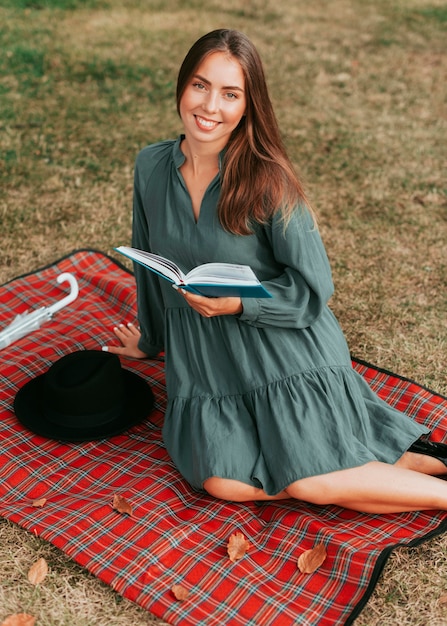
38,572
443,599
39,502
19,619
121,504
310,560
237,546
180,592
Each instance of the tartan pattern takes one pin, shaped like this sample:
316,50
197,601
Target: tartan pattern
175,535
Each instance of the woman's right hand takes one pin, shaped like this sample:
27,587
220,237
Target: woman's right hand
129,336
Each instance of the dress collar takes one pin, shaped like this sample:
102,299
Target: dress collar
179,157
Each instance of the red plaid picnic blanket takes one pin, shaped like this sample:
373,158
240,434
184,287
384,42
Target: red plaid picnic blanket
175,535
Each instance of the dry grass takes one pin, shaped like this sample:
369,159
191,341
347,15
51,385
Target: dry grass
359,87
69,596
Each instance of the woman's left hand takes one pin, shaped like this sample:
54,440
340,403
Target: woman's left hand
210,307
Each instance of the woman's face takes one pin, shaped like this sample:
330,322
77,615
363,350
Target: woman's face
214,100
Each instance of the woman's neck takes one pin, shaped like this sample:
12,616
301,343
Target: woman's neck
201,157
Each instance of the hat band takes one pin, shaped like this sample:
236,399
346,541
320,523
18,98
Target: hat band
83,421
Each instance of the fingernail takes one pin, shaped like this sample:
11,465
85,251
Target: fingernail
105,349
174,286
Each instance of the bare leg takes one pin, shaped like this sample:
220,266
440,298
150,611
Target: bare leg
371,488
374,488
236,491
421,463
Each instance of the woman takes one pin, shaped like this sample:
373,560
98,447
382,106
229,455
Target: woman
263,403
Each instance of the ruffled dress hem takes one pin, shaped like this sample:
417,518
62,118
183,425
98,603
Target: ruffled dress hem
308,424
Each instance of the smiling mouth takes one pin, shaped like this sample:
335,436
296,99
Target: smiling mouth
205,124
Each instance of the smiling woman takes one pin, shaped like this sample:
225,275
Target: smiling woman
210,110
263,402
258,174
369,148
210,105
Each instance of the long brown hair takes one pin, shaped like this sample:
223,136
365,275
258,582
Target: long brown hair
258,178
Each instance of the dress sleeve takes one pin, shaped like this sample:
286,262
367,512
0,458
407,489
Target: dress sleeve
302,290
149,297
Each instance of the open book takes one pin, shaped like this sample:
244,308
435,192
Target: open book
210,279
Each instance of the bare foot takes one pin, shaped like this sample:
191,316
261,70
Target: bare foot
129,336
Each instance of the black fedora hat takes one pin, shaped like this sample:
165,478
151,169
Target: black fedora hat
83,396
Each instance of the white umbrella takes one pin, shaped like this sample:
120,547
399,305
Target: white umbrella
26,322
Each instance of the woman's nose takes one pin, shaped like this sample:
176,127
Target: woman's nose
211,103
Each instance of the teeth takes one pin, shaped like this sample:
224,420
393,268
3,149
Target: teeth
207,123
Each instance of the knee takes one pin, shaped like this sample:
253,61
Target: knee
215,487
313,490
226,489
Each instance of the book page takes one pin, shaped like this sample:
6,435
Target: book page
156,262
222,273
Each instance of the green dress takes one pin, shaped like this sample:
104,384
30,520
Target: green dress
269,396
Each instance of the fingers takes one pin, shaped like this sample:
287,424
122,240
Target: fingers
192,298
128,335
198,303
114,349
211,307
126,331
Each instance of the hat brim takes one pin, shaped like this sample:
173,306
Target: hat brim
139,402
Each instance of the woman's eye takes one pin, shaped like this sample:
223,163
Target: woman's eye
230,95
198,85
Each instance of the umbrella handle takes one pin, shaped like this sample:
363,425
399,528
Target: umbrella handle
74,290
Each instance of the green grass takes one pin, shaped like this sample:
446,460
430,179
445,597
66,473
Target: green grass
438,14
360,92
